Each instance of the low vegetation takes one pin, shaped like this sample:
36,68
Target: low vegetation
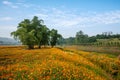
108,62
18,63
106,39
115,51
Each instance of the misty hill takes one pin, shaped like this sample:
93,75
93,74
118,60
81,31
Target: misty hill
8,41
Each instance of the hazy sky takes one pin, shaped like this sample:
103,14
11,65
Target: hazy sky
67,16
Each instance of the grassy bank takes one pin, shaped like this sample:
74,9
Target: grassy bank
108,62
17,63
105,50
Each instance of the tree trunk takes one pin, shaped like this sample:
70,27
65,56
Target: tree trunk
52,46
39,46
30,46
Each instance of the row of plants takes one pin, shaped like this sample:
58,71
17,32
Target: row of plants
109,63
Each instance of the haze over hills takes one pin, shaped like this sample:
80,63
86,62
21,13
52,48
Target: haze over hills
8,41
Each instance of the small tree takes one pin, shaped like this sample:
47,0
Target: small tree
54,36
81,38
45,33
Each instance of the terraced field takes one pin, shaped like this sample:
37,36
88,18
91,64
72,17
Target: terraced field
17,63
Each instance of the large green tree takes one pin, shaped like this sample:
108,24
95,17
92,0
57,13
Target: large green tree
34,32
29,32
25,33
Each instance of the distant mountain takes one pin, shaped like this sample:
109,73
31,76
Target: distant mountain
8,41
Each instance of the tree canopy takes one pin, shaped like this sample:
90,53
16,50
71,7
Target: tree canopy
34,32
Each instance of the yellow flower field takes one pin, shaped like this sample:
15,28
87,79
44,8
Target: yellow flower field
17,63
109,63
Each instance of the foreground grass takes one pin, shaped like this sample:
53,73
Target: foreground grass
110,63
17,63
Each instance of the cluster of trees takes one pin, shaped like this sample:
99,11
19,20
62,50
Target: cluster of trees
107,35
84,39
34,32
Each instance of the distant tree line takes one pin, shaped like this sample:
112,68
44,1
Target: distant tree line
106,38
34,32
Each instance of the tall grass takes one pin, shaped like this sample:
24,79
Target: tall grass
109,63
17,63
91,48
